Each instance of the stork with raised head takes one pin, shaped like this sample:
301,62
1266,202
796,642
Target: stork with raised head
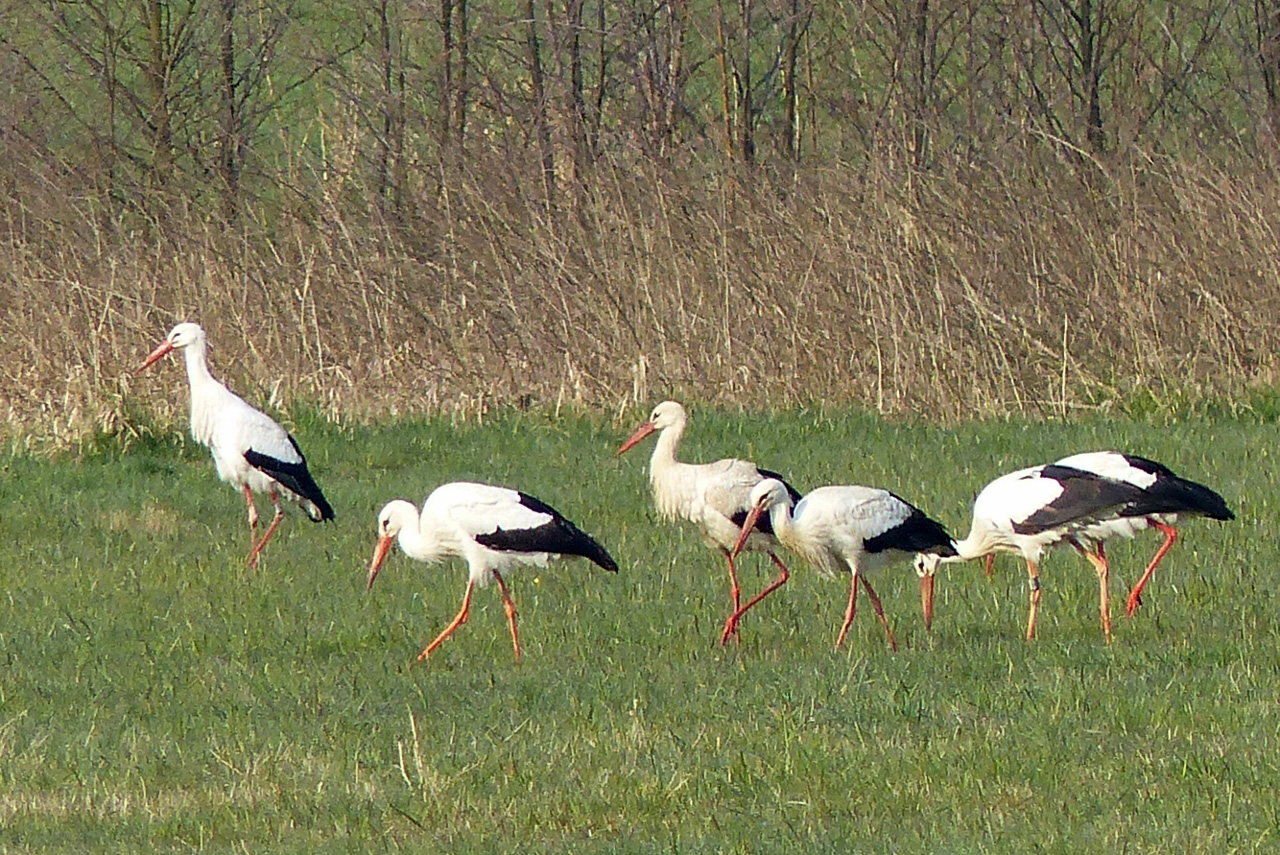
494,529
1165,497
1028,511
715,497
850,529
252,452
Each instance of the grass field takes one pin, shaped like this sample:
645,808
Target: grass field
156,696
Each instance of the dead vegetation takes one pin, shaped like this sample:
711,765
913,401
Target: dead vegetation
943,294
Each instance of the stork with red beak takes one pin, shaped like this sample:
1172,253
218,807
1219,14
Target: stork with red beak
853,530
494,529
252,452
715,497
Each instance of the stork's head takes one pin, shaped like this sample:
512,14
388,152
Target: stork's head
183,335
665,415
394,517
927,564
765,495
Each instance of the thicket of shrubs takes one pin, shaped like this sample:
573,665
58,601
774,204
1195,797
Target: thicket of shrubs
934,209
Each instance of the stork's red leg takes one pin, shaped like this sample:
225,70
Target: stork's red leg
453,624
253,517
1135,596
1099,562
875,605
735,591
510,608
731,625
849,610
271,529
1033,582
989,564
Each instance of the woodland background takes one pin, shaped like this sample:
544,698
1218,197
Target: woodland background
936,208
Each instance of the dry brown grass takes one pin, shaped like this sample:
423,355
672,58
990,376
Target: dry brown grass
965,291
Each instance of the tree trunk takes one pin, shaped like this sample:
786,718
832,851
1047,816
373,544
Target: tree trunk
791,86
537,83
577,97
229,163
747,124
1267,22
156,72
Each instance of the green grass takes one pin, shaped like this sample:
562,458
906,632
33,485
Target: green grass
156,696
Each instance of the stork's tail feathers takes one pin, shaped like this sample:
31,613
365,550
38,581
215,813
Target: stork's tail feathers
594,552
317,508
1178,495
946,549
295,478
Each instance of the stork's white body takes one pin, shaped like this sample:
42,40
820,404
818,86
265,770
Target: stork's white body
1028,511
1165,495
456,514
851,530
709,495
831,526
715,497
1005,504
229,426
250,450
494,529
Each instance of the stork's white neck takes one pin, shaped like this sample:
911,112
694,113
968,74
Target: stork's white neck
664,460
664,473
781,520
197,365
981,541
416,538
206,393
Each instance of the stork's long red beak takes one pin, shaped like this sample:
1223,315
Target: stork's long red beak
641,432
747,526
379,555
164,347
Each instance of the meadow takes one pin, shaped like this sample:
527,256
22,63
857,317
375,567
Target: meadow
157,696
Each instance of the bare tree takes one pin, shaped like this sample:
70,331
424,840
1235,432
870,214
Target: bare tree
799,14
538,91
1083,39
391,141
1266,17
455,31
659,32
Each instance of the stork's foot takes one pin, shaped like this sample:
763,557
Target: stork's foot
730,630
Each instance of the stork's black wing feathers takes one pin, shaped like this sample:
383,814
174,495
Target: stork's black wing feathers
1173,495
294,477
558,536
1085,496
917,533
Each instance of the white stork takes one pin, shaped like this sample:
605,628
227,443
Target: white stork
849,529
715,497
1028,511
494,529
1165,496
251,450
